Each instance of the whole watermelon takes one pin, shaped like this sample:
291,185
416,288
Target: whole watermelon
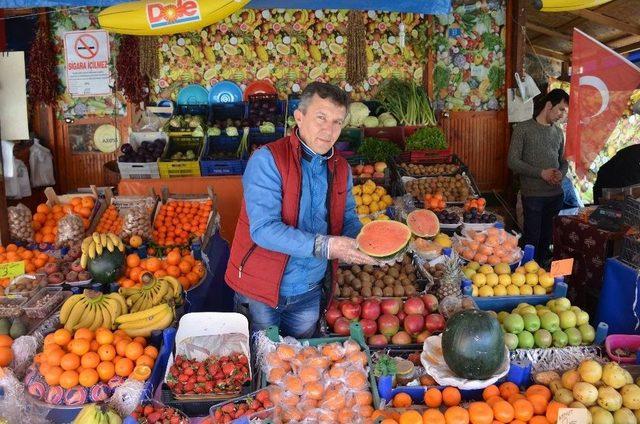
473,344
107,267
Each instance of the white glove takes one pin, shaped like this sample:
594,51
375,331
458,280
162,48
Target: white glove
345,249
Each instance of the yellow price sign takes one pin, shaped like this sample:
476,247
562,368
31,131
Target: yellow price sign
11,269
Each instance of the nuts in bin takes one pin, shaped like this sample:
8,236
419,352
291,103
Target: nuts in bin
396,280
26,283
454,189
416,170
436,271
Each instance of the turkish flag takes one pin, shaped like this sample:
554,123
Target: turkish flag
601,83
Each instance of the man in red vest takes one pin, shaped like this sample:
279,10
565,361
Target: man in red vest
297,214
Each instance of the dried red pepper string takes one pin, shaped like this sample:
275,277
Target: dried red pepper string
43,79
129,78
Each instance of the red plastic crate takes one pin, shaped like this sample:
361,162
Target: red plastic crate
423,155
395,135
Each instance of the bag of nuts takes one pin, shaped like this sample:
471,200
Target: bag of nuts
137,222
70,230
20,228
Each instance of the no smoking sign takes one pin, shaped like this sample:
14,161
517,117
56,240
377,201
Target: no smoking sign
87,62
86,46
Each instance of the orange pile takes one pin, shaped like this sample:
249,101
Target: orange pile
178,221
45,220
435,202
479,204
33,259
6,353
85,357
182,266
501,405
110,221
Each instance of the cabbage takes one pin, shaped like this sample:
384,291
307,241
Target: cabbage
214,132
267,128
370,121
291,121
358,111
387,120
232,131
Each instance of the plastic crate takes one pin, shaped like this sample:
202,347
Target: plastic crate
631,212
353,136
630,253
258,138
435,160
35,311
193,109
141,170
292,105
430,154
184,168
233,110
626,341
230,164
393,134
265,414
360,160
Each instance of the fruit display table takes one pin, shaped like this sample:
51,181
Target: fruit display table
618,298
228,190
590,247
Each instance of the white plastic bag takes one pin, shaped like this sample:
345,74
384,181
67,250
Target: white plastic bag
41,164
18,186
517,109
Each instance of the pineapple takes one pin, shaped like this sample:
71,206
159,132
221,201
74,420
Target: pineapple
451,281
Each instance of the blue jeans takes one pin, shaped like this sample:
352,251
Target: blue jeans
538,223
296,316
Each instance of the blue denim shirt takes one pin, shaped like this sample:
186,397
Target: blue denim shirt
262,187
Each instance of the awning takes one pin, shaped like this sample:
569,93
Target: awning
430,7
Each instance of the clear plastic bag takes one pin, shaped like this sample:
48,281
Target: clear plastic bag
20,228
137,222
70,230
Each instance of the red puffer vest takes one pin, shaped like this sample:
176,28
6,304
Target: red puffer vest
256,272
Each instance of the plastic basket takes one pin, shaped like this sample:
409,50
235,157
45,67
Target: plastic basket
360,160
141,170
258,415
258,138
393,134
631,212
630,253
221,111
353,136
193,109
183,168
230,164
627,341
435,160
40,311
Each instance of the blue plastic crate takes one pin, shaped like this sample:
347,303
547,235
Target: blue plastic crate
223,167
196,109
257,138
292,105
233,110
223,143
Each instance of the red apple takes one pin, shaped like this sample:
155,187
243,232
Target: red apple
341,326
391,306
420,338
350,310
434,323
401,338
413,324
378,340
368,169
332,315
357,170
388,324
369,327
430,303
371,309
414,305
401,316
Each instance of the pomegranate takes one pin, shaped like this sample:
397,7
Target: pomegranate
369,327
401,316
434,323
414,305
378,340
413,324
388,324
371,309
430,303
332,315
401,338
341,326
350,310
391,306
420,338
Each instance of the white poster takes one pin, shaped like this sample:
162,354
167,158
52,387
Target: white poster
14,124
87,63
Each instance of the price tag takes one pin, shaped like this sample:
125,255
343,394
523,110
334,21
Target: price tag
11,269
561,267
573,416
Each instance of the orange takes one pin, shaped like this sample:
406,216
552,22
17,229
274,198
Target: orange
388,421
363,398
88,377
62,337
552,410
456,415
94,345
104,336
79,346
68,379
141,373
6,356
49,339
134,350
153,264
70,361
185,267
133,260
539,389
90,360
523,409
140,340
106,371
503,411
480,413
84,333
173,271
173,258
539,419
53,358
107,352
410,417
401,400
451,396
151,351
135,241
121,346
145,360
507,389
5,340
124,367
490,391
539,402
515,397
52,377
433,416
493,399
433,398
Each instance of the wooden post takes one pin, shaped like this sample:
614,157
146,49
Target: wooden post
4,212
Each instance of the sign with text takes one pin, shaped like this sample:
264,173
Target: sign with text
11,269
561,267
573,416
87,63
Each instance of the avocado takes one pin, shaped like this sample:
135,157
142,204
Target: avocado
18,329
5,325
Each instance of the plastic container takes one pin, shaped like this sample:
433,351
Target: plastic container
508,303
141,170
12,307
449,160
181,168
37,309
230,164
259,415
12,290
184,419
624,341
392,134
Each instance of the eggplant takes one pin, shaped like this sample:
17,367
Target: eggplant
126,148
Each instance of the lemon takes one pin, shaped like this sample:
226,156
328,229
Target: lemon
375,196
526,290
504,279
500,290
358,200
366,199
492,280
363,210
518,279
479,280
365,220
539,290
373,207
380,191
485,291
443,240
368,188
474,291
513,290
531,279
383,217
357,189
387,199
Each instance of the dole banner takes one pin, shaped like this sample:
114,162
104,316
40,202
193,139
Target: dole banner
601,83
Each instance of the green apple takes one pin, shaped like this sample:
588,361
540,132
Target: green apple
511,340
551,304
543,311
502,315
513,323
588,333
542,338
468,272
525,340
550,322
527,310
574,336
560,338
582,318
567,319
531,321
563,304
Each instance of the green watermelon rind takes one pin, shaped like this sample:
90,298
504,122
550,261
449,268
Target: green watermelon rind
431,215
108,267
372,228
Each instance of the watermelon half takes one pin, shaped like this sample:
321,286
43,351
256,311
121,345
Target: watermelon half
382,239
423,223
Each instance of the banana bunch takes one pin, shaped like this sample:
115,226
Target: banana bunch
92,310
153,292
142,323
97,414
96,243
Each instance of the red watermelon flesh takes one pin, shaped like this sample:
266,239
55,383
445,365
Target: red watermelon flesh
423,223
381,239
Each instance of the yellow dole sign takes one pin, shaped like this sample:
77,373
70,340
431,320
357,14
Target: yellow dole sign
566,5
158,17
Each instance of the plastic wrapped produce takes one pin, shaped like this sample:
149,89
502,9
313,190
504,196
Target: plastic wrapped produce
137,222
70,230
20,228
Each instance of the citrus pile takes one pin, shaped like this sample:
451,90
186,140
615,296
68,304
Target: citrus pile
110,221
86,358
179,220
6,353
182,266
33,259
500,405
45,220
